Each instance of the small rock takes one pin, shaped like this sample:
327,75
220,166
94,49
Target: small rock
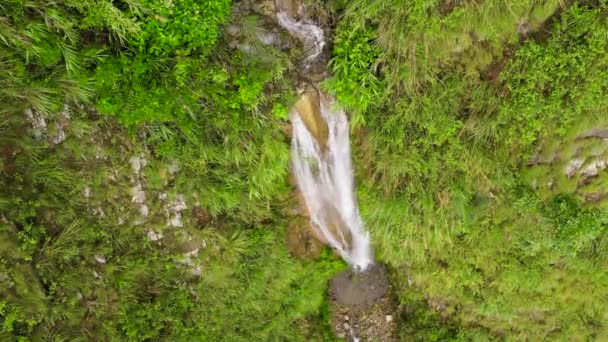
99,212
346,326
389,318
112,177
176,221
100,259
153,236
142,160
192,253
173,168
178,205
36,120
59,138
346,318
593,168
573,166
233,30
523,28
65,112
135,164
196,271
143,210
594,197
139,196
267,38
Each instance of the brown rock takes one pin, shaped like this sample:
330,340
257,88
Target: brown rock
594,197
301,241
289,6
309,108
202,217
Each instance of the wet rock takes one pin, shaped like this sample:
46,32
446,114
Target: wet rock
311,37
362,305
309,108
360,288
301,242
264,7
291,7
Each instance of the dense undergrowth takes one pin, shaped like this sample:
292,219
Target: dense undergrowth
140,108
450,102
144,169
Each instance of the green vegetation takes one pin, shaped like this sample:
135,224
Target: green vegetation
455,101
144,169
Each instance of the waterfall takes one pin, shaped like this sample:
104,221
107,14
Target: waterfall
322,164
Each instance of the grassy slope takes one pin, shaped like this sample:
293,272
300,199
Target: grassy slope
444,125
146,86
448,101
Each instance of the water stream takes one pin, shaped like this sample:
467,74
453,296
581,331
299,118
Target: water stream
321,160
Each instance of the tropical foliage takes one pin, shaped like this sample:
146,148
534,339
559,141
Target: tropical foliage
145,176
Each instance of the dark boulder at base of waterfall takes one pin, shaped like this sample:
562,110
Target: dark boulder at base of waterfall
362,305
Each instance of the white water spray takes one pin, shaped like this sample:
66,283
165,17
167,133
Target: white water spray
311,35
324,174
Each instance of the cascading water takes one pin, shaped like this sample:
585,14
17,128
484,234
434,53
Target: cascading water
322,165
